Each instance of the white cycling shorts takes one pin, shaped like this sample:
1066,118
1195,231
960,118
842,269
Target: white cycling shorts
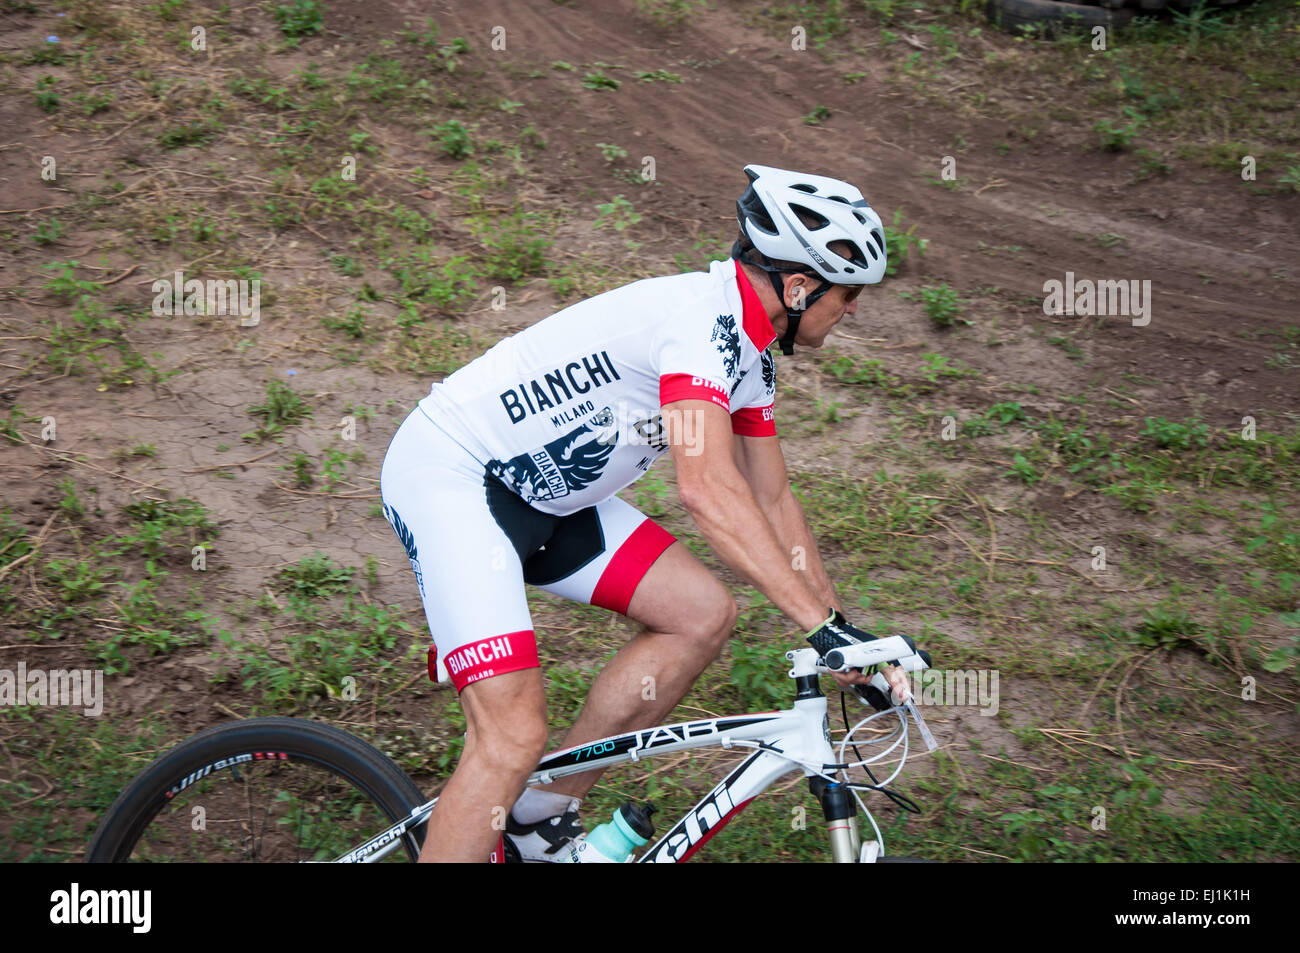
473,545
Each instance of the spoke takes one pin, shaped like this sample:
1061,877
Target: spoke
298,852
267,814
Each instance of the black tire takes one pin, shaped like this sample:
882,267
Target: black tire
1011,15
310,765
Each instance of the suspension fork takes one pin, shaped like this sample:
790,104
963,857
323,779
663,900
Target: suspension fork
841,819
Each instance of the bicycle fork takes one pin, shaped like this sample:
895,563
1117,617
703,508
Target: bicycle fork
841,819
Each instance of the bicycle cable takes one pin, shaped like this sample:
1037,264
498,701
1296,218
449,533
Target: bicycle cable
902,800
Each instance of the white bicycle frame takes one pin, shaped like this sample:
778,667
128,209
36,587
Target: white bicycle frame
795,739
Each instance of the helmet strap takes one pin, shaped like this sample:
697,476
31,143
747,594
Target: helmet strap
793,315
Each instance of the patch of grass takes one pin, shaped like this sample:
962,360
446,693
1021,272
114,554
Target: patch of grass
994,420
315,576
48,232
1116,136
869,372
618,214
819,115
302,472
9,424
47,97
1166,433
300,19
104,753
282,408
599,80
335,464
1140,496
71,505
758,673
1025,471
658,76
331,635
163,527
352,322
936,366
899,244
186,134
454,139
942,304
514,243
668,12
611,152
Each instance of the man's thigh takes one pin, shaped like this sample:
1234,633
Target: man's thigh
616,557
679,594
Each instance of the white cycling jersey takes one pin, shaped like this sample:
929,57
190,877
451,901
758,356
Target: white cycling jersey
567,412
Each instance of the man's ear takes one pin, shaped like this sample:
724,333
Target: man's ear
796,290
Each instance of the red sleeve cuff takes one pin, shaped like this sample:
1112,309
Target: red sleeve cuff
754,422
685,387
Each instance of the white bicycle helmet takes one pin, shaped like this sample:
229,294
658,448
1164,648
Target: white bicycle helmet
796,217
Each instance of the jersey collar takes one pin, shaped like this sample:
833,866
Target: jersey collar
754,317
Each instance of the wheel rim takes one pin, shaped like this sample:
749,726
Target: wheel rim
279,808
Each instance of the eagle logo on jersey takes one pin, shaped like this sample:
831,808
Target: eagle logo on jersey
563,466
407,539
729,343
769,371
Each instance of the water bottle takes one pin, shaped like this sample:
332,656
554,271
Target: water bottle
613,842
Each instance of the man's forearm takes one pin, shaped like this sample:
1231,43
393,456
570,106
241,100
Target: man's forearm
741,534
793,533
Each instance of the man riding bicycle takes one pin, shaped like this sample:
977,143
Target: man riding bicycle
505,474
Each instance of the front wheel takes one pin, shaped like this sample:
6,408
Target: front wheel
263,790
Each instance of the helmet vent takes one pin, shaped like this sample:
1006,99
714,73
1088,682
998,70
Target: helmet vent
810,219
804,187
850,251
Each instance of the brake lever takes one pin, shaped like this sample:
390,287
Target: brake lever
880,697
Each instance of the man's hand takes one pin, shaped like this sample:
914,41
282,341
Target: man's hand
838,631
896,677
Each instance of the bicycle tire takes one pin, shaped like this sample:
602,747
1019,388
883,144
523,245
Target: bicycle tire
262,747
1011,15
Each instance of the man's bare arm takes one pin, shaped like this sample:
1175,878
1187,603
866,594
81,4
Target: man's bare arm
720,500
763,465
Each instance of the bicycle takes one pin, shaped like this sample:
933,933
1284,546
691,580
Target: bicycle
383,814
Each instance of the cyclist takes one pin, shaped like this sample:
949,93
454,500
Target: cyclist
505,474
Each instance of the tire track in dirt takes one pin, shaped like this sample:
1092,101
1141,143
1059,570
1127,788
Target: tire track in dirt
746,104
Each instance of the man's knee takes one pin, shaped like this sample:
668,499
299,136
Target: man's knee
508,747
716,620
506,722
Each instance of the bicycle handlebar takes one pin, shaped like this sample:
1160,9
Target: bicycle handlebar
864,654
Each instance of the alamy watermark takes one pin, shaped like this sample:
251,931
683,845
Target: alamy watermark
76,688
76,905
1085,297
193,296
930,686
